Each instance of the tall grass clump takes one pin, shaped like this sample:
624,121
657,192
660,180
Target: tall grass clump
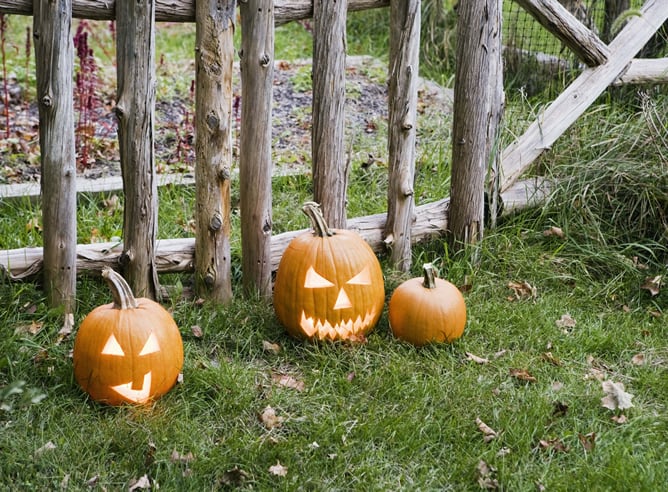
610,178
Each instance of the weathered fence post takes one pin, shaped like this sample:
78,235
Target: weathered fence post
255,162
54,57
214,59
404,67
135,46
475,113
330,166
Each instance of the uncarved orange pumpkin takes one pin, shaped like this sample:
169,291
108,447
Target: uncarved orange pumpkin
329,284
427,309
129,351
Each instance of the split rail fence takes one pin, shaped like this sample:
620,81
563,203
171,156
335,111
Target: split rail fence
141,256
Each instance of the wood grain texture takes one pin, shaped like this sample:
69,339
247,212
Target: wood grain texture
255,156
135,110
214,61
54,56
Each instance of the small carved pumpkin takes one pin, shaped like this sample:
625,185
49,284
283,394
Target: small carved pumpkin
427,309
129,351
329,284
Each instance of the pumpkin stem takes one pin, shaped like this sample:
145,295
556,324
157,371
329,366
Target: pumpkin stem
312,210
120,290
429,276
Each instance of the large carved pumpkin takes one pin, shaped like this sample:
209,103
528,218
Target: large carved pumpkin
129,351
329,284
427,309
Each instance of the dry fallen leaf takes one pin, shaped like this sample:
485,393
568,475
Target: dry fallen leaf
522,375
588,441
272,348
566,322
177,457
652,285
278,470
554,231
269,418
33,328
554,444
560,409
522,290
616,397
638,360
557,386
486,478
197,331
287,381
503,451
548,357
476,359
234,477
488,433
141,483
49,446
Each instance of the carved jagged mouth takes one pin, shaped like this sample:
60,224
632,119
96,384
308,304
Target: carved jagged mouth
135,395
344,329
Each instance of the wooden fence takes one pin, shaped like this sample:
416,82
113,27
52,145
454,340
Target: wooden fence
141,256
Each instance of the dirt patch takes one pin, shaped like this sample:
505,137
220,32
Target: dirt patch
366,120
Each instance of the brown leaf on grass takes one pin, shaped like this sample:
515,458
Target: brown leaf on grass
92,481
269,418
652,285
616,398
49,446
566,322
522,290
141,483
476,359
197,331
554,444
488,433
234,477
177,457
32,329
548,357
557,386
522,375
638,360
486,473
560,409
278,470
66,330
500,353
588,441
272,348
554,231
287,381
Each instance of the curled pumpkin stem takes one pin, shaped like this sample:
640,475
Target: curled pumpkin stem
120,290
320,227
429,276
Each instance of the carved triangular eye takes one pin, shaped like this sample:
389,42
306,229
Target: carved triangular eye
362,278
112,347
150,346
316,281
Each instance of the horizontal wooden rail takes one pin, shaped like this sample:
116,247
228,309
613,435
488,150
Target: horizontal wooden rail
177,255
182,10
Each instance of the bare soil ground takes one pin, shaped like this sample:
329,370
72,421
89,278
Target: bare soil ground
366,114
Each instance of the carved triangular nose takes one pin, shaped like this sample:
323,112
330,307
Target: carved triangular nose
342,301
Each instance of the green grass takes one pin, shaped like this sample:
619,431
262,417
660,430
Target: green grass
382,415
